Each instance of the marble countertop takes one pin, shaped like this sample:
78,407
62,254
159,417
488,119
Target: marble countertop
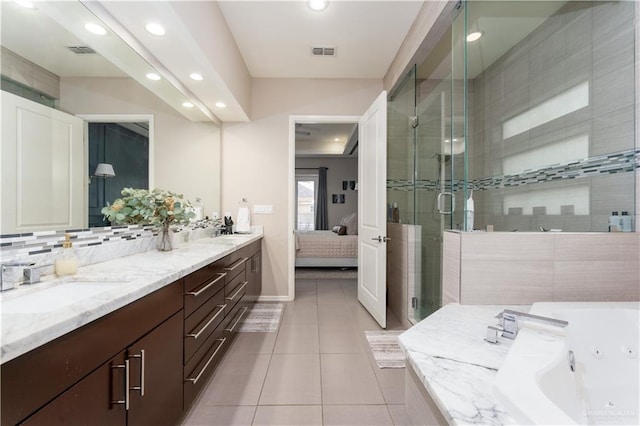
33,315
457,366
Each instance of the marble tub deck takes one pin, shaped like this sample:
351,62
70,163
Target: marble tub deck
456,365
30,317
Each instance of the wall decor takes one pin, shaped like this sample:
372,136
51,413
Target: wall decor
337,198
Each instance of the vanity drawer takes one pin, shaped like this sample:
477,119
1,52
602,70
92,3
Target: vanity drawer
234,319
235,291
195,296
202,364
202,323
234,265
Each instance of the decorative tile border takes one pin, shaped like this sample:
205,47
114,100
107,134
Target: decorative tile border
613,163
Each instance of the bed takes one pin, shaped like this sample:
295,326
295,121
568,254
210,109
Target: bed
326,249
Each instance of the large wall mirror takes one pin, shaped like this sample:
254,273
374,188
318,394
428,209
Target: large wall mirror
52,75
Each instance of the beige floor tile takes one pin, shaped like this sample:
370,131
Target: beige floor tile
293,379
391,382
306,296
356,415
348,379
237,380
297,339
294,415
254,343
300,313
341,341
336,316
330,291
398,415
219,415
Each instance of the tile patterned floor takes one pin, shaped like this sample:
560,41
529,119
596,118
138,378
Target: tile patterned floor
317,369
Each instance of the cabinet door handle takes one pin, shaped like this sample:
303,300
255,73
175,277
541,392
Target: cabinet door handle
235,265
196,335
244,284
141,387
194,380
203,289
126,385
237,321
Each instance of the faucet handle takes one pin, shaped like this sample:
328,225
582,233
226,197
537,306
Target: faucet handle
31,275
492,334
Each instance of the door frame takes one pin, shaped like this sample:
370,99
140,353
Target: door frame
115,118
291,197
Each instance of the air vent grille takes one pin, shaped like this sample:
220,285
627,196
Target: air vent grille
323,51
81,50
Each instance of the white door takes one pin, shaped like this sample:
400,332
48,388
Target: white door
372,204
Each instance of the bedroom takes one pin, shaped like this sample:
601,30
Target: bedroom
326,173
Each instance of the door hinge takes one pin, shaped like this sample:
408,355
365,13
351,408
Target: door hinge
414,302
414,121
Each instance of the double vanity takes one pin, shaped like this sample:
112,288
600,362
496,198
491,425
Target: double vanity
127,341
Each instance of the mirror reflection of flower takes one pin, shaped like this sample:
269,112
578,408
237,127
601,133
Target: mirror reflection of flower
141,206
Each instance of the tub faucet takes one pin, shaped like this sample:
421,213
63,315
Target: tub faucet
509,321
10,277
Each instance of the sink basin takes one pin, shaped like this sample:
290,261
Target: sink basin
54,298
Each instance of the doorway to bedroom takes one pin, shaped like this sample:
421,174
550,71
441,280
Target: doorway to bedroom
325,220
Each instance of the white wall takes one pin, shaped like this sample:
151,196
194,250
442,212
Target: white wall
187,154
255,155
340,169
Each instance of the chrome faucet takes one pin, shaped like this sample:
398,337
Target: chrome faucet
11,277
509,321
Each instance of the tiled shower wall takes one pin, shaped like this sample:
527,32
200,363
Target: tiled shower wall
584,42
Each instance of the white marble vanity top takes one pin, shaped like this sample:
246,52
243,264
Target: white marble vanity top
33,315
457,366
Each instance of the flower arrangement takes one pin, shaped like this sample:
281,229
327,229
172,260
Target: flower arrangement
141,206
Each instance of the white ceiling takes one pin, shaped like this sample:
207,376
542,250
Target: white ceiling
275,37
320,139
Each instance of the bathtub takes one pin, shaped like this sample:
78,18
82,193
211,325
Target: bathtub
536,383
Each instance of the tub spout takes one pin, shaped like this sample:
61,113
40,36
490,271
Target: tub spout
509,321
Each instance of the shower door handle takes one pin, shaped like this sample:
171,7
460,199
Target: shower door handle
441,196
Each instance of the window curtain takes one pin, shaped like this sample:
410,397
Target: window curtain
322,210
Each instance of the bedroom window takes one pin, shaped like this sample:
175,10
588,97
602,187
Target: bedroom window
306,186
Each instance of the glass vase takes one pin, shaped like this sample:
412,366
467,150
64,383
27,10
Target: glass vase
165,239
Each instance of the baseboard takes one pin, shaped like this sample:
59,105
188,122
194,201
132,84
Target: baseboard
274,299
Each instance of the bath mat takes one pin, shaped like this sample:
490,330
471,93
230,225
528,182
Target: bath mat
326,273
386,348
262,318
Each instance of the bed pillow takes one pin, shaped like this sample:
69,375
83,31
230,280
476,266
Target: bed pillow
340,229
351,222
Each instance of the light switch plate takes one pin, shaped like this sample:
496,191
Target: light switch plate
263,209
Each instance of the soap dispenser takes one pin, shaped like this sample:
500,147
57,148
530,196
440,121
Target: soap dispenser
67,261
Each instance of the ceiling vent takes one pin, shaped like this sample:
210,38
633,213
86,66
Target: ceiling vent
81,50
323,51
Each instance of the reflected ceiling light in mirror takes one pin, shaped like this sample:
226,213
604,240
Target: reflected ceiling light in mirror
155,29
221,105
196,76
187,104
24,3
336,139
95,29
474,36
153,76
318,5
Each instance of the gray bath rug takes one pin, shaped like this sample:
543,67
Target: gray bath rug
386,348
326,273
262,318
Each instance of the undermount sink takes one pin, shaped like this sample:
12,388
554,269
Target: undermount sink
54,298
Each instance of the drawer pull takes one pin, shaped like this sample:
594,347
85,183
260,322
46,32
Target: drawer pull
196,335
235,265
205,288
124,401
141,387
194,380
237,321
244,284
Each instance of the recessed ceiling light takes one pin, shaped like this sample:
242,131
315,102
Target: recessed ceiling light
187,104
336,139
153,76
474,36
318,5
195,76
24,3
95,28
221,105
155,28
